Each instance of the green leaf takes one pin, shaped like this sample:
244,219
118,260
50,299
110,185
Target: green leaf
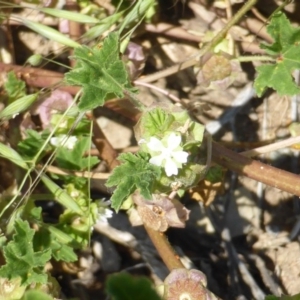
134,173
49,32
46,238
61,195
215,174
101,73
156,122
33,143
63,252
78,228
103,26
14,87
21,258
126,287
12,155
18,106
286,48
74,159
137,13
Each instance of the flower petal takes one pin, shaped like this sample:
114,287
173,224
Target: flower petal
155,144
174,141
70,142
54,141
157,160
170,167
180,156
64,141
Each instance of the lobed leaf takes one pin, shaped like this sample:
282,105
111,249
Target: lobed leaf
100,72
286,48
74,159
33,143
57,241
14,87
21,258
134,173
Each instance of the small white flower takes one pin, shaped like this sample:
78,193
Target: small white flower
171,157
64,141
104,215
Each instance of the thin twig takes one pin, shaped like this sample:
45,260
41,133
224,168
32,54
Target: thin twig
272,147
162,91
85,174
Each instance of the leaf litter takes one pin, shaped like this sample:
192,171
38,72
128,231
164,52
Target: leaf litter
256,216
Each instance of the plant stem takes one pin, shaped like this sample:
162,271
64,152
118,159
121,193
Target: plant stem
256,170
135,101
255,58
165,250
272,147
194,59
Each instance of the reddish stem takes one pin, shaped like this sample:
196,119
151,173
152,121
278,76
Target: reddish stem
256,170
165,250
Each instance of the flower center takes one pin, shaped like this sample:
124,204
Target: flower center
166,152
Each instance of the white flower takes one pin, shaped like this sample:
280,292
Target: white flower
171,157
64,141
104,215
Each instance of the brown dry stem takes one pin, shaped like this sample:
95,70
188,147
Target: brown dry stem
256,170
165,250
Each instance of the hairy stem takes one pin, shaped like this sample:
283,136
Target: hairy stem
165,250
256,170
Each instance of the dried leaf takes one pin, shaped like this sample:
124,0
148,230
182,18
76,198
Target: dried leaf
216,68
161,212
206,191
